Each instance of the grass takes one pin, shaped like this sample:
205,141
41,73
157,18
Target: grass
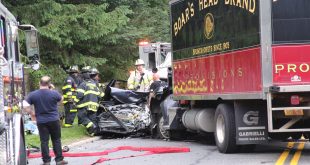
68,136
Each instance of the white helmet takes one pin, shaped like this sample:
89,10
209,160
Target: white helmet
139,62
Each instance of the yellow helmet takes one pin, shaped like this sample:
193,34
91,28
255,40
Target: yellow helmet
139,62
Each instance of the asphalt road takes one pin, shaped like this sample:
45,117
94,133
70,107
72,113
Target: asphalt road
201,153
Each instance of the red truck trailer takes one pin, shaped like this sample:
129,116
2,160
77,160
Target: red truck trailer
240,70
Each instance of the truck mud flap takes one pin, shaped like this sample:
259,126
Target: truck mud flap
175,118
172,113
251,122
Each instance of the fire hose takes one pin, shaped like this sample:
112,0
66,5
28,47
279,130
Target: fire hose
146,150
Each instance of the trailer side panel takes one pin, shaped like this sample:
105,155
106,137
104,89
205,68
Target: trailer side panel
216,49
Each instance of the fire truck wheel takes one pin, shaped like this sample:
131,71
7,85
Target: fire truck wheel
22,152
225,129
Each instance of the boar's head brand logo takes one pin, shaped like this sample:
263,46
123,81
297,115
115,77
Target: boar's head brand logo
251,118
209,26
295,78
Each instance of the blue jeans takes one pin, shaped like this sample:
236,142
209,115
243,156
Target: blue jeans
45,131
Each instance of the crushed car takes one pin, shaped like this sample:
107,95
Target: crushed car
123,111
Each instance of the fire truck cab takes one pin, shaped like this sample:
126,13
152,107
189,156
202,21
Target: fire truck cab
156,55
12,140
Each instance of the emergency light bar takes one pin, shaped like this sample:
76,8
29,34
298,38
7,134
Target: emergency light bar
142,43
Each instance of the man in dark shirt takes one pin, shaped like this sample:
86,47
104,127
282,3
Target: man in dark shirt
155,87
154,101
45,103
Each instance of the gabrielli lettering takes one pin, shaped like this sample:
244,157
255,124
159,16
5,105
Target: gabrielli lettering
248,5
183,18
189,12
256,133
292,68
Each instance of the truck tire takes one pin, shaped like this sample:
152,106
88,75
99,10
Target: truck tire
22,160
225,129
247,148
161,132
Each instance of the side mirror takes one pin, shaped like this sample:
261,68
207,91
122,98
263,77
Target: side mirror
32,45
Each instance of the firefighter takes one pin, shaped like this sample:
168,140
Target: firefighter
84,76
85,73
94,75
69,95
89,94
101,86
141,79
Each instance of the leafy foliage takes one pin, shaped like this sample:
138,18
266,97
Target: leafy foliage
58,75
99,33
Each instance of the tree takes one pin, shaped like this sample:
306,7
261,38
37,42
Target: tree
100,33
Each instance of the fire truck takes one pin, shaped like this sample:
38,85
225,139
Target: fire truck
12,140
156,55
240,70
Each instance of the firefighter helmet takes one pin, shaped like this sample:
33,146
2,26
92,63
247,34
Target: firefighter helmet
73,69
139,62
86,69
94,71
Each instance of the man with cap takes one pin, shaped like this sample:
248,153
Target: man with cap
69,94
141,79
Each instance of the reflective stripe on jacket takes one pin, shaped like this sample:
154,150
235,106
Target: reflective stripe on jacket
68,90
89,94
134,81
